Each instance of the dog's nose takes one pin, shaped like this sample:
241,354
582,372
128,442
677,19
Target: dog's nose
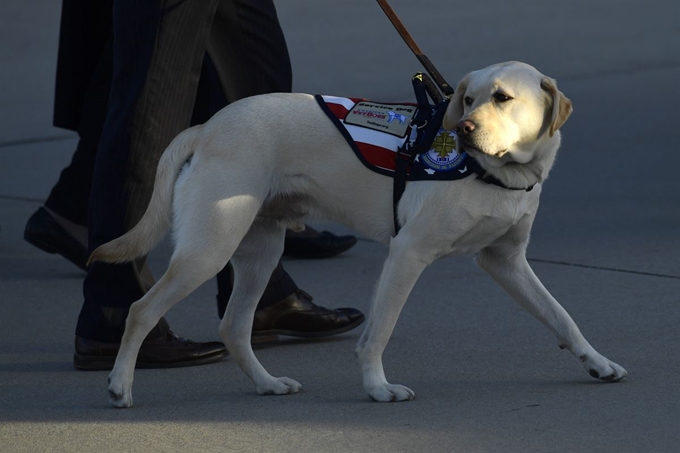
465,127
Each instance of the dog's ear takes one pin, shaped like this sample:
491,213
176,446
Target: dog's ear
561,106
454,111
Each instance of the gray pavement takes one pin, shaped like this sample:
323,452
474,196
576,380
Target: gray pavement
488,377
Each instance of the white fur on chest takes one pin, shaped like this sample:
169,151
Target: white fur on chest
463,217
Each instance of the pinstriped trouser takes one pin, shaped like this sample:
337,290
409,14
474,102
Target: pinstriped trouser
158,51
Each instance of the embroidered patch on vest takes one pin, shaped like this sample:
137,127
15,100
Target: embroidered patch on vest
443,155
392,119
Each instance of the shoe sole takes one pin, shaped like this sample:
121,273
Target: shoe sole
292,333
89,363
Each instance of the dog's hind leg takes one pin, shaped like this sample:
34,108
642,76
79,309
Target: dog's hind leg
207,236
254,261
183,276
508,265
400,272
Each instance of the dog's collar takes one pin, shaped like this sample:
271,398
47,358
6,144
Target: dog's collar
488,178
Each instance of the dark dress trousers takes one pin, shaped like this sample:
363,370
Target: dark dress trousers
132,74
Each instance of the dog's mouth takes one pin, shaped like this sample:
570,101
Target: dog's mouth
471,149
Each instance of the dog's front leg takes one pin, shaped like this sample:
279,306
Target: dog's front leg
509,267
400,272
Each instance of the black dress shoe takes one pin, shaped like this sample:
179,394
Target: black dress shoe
323,245
298,316
43,231
167,351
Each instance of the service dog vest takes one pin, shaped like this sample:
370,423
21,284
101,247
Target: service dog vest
375,131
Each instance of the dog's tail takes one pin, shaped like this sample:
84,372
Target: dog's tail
152,227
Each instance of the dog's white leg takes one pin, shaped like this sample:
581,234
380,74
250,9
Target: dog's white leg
183,276
509,267
253,262
400,272
208,231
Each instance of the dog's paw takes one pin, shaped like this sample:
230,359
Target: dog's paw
119,394
390,393
602,368
279,386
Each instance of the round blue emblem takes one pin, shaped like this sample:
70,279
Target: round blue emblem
442,156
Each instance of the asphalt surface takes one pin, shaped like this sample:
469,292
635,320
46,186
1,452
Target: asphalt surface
488,377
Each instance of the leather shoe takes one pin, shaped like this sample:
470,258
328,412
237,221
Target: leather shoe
43,231
298,316
323,245
166,351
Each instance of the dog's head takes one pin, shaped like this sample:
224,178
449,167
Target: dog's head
504,113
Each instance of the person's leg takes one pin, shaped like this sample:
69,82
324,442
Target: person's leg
249,52
247,55
60,226
157,55
70,196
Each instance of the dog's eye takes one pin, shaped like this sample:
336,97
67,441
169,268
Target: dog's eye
500,97
468,101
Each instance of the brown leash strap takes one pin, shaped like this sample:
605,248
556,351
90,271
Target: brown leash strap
427,64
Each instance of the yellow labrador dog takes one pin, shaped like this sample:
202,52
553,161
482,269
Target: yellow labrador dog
232,186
